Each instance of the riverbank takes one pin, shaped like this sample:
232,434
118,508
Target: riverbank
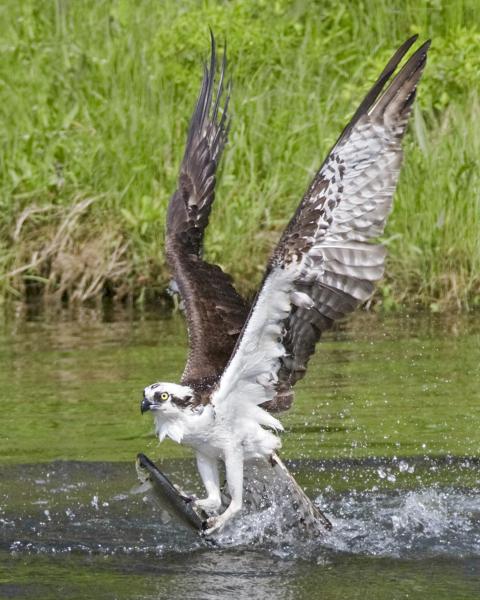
95,103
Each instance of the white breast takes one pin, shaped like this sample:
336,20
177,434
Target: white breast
206,433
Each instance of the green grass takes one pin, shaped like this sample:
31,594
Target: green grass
94,103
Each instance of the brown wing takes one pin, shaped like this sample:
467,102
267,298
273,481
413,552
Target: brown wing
215,312
325,264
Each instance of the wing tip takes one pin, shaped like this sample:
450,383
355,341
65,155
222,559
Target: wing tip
210,97
377,90
401,91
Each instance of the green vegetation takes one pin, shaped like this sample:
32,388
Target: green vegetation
94,104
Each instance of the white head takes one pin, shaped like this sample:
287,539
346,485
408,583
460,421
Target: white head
167,399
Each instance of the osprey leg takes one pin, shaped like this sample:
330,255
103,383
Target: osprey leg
234,474
208,469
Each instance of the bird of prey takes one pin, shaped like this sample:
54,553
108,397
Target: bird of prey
244,360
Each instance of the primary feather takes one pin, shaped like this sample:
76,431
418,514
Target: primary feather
212,304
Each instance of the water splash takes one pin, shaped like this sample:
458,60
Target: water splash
426,522
411,524
86,508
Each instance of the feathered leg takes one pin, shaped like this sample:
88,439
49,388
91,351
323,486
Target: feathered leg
208,469
234,473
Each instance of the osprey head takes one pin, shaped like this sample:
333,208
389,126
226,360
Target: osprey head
166,398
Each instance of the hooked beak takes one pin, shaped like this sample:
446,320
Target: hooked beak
145,405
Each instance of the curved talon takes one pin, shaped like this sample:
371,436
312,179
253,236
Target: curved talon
213,525
216,524
189,499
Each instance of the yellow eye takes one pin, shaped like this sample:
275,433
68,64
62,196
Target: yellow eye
164,396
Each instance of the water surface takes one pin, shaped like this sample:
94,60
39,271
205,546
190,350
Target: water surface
384,435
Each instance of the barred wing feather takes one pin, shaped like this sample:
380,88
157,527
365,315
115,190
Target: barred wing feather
325,264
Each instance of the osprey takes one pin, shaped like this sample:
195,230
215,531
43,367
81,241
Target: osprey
243,360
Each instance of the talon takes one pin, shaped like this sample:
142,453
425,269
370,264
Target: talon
211,522
214,525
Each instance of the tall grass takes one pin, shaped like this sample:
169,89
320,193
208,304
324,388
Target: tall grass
94,103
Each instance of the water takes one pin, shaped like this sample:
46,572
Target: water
384,435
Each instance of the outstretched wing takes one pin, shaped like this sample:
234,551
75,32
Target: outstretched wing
215,311
324,265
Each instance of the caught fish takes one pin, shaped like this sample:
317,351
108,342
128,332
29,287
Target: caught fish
266,483
171,498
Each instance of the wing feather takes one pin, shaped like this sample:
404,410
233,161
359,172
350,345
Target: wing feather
215,311
325,264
